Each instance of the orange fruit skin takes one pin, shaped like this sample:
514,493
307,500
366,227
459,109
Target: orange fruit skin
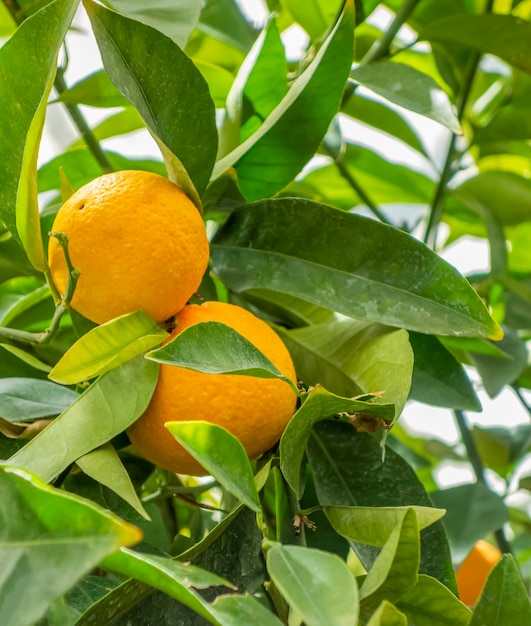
474,571
138,241
255,410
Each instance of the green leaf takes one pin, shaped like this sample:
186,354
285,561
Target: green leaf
318,405
107,346
505,36
438,378
504,599
472,512
355,265
351,357
94,90
23,357
374,525
394,571
224,20
23,399
181,115
430,603
315,16
318,585
175,18
235,610
24,89
107,408
221,454
272,156
215,348
18,295
48,540
348,470
409,88
387,615
105,466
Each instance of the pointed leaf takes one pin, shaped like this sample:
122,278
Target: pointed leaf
316,584
318,405
356,265
48,540
272,156
181,115
387,615
107,346
24,399
105,466
104,410
409,88
27,70
504,599
315,16
221,454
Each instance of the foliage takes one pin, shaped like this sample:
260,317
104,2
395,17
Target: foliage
339,246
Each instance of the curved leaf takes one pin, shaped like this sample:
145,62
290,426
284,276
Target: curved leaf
24,399
355,265
387,615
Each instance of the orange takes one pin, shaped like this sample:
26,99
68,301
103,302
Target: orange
138,241
474,571
255,410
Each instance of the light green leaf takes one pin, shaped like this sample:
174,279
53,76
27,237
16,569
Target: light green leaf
94,90
374,525
104,465
355,265
409,88
24,89
180,116
387,615
104,410
318,585
221,454
272,156
105,347
24,399
318,405
430,603
236,610
315,16
18,295
48,540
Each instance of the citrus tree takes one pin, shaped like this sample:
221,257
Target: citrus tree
168,466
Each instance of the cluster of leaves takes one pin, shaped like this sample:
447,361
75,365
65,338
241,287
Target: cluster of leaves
371,315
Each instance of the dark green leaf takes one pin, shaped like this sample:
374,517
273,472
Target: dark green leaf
181,115
224,20
348,470
358,266
48,539
23,399
27,70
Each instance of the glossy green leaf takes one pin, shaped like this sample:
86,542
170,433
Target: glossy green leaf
432,604
318,405
215,348
472,512
126,121
318,585
23,399
272,156
94,90
291,310
24,88
48,540
348,470
18,295
181,116
505,36
224,20
104,410
221,454
315,16
355,265
174,18
374,525
105,347
394,571
504,599
438,378
351,357
387,615
104,465
409,88
24,357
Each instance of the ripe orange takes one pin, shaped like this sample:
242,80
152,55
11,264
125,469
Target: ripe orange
138,241
474,571
255,410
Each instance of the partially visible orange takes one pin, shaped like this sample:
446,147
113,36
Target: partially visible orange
138,241
255,410
474,571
